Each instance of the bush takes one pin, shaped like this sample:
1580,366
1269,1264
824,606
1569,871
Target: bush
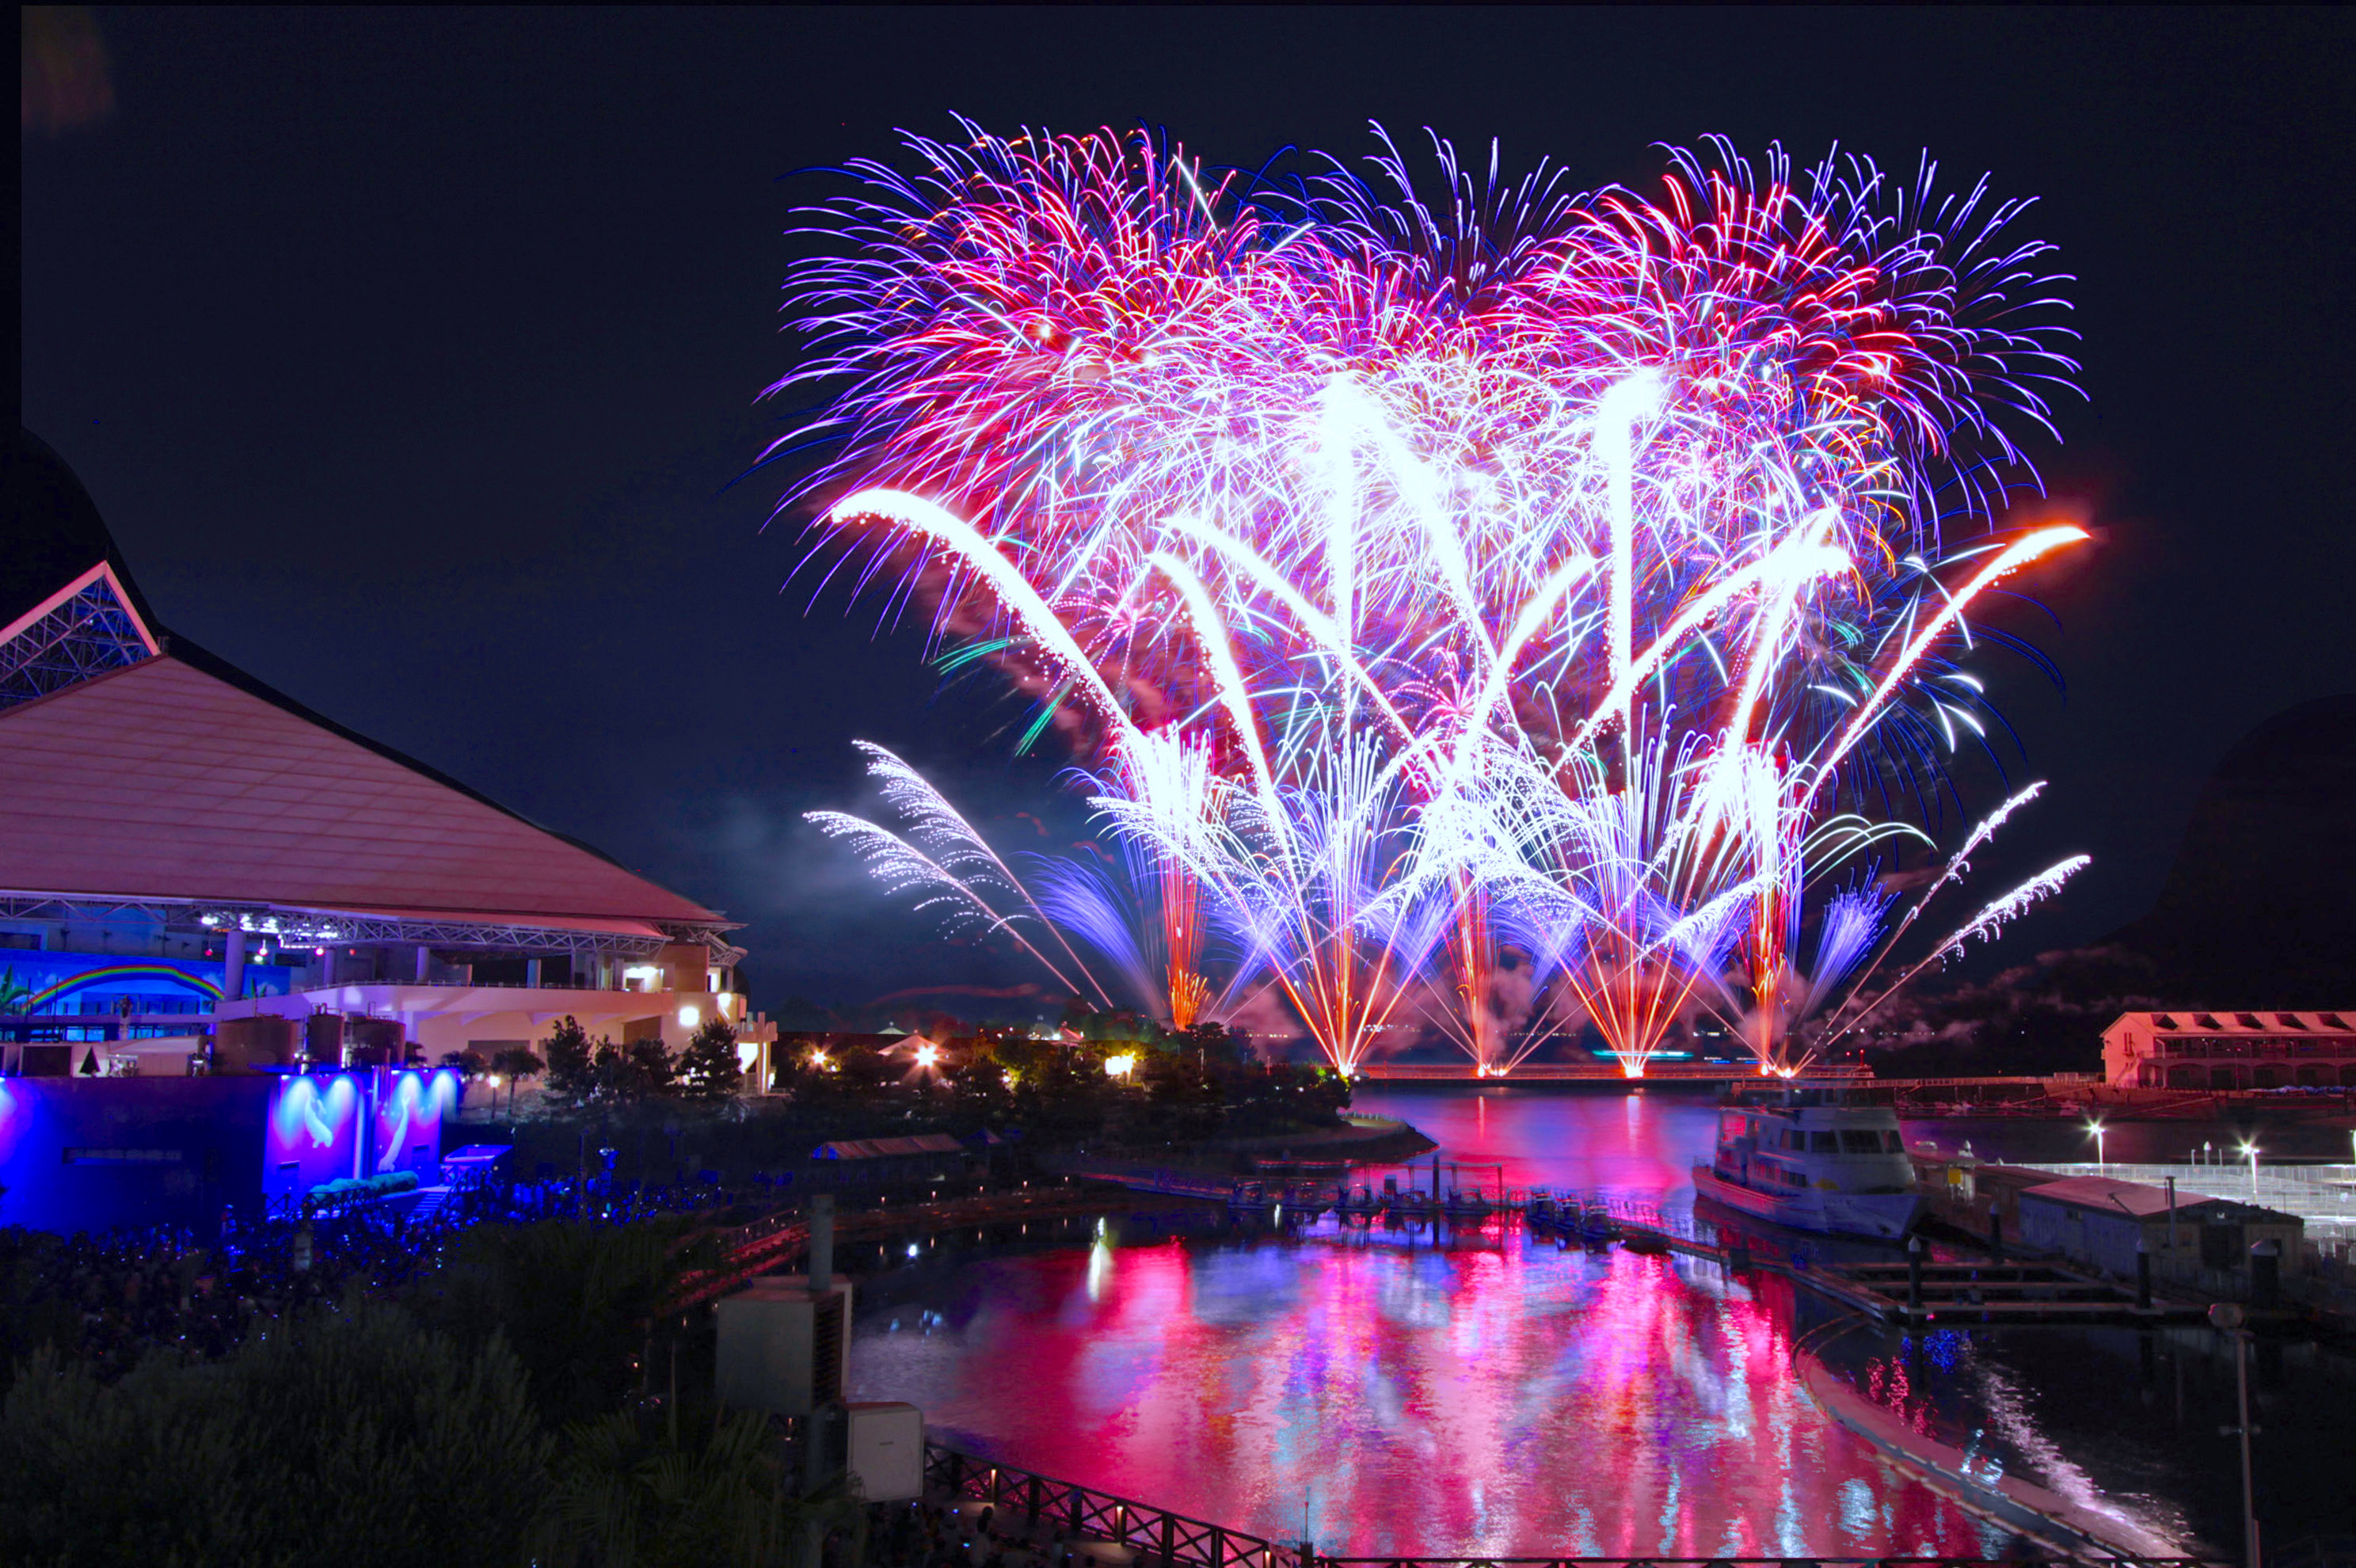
572,1300
346,1187
350,1437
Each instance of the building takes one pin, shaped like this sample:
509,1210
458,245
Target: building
186,853
2102,1222
2230,1050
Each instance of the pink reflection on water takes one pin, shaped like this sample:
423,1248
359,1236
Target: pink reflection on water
1501,1399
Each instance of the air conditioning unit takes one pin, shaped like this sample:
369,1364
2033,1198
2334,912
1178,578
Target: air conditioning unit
884,1450
784,1347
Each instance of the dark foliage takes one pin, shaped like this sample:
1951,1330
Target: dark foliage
352,1437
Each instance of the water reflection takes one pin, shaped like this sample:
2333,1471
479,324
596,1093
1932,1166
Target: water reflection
1489,1399
1497,1396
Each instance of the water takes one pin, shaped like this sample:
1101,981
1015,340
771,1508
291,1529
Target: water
1509,1397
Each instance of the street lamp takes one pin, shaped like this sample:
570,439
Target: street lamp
2251,1151
2096,1129
2227,1318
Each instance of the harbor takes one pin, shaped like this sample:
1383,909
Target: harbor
1130,1335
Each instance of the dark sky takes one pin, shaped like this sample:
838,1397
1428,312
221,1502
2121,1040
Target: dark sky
410,355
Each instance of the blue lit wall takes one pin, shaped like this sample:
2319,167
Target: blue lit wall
100,1153
95,1154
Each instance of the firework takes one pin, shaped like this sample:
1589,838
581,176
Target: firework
1508,572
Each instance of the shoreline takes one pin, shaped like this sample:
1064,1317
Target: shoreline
2007,1502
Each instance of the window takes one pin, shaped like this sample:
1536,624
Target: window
1853,1142
1825,1142
1794,1178
1795,1139
1893,1143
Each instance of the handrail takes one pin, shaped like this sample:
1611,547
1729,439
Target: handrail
1167,1540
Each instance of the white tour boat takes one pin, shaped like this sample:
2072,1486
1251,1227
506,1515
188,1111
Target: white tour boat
1816,1157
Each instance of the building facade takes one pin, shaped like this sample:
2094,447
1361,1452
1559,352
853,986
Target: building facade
2227,1051
184,850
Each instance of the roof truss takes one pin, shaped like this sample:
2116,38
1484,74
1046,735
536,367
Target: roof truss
85,628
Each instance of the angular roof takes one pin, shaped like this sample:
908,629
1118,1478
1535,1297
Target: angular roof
2141,1200
169,780
2196,1021
884,1148
134,764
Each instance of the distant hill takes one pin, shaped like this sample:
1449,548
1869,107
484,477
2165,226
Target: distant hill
2259,909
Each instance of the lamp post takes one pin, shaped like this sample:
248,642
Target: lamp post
2251,1151
2096,1129
2227,1318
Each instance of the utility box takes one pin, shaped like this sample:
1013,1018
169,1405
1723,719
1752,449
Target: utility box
784,1347
245,1045
884,1450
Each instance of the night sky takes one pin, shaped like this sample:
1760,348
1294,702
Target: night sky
415,359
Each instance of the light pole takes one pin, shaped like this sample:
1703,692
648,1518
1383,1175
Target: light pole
2251,1150
2227,1318
2096,1129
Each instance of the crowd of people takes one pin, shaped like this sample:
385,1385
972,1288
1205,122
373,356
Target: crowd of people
108,1299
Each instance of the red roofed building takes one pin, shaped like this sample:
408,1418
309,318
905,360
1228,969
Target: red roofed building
182,847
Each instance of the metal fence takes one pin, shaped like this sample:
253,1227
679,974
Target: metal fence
1167,1539
1087,1518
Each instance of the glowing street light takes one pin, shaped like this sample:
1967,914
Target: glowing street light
2250,1152
927,1055
2096,1129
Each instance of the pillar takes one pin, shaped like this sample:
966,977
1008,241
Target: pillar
532,973
2265,1274
233,965
424,961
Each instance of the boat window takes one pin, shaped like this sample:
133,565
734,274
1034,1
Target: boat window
1795,1139
1893,1143
1794,1178
1855,1141
1826,1143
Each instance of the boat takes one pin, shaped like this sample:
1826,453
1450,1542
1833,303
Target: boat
1596,1228
1814,1158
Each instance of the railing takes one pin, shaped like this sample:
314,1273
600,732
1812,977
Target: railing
1165,1539
1172,1541
1325,1562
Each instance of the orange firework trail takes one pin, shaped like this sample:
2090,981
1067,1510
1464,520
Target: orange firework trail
1434,580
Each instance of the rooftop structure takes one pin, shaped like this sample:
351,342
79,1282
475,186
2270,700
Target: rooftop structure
180,844
2230,1050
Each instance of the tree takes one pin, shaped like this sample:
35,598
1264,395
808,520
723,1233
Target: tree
518,1063
571,1062
708,1067
468,1062
629,1491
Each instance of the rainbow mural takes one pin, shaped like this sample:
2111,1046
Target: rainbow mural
50,979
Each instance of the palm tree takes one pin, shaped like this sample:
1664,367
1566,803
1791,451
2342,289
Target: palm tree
627,1495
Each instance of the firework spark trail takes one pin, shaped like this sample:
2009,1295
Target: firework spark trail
1404,516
